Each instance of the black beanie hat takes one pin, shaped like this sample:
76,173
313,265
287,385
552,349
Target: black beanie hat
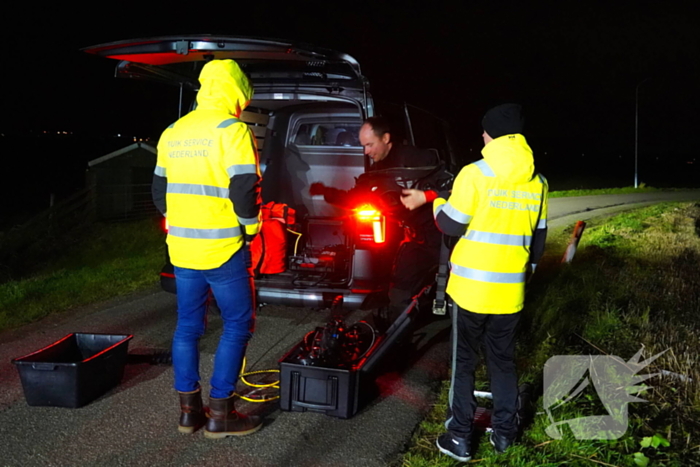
502,120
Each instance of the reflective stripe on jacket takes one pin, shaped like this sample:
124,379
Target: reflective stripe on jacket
210,161
496,205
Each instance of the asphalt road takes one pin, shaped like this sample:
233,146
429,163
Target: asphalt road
135,424
564,211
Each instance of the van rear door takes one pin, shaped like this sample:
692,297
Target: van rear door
278,69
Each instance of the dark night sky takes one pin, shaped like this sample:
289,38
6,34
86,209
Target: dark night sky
573,65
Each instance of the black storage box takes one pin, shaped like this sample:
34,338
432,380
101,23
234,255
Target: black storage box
333,391
338,392
74,370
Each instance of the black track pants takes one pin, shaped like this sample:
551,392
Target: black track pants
415,266
498,335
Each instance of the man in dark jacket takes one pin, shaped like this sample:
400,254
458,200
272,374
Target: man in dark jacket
419,253
375,137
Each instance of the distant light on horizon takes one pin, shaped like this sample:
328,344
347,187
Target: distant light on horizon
34,133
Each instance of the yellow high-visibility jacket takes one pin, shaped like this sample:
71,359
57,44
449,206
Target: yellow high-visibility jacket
496,207
209,160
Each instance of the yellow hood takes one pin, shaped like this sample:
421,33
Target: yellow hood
510,157
223,87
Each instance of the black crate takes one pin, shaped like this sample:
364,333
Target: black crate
74,370
332,391
338,392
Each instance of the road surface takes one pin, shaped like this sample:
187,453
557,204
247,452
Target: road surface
136,423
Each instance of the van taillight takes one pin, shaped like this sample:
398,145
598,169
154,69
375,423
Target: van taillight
165,225
372,224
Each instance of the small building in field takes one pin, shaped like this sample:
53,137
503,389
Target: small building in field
121,182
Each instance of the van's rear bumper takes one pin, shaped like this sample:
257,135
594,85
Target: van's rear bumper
311,298
352,299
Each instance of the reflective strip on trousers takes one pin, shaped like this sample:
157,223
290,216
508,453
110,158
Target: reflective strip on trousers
209,234
455,336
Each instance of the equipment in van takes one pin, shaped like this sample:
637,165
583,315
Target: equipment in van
268,250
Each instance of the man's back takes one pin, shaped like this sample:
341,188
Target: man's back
206,182
502,201
207,163
498,210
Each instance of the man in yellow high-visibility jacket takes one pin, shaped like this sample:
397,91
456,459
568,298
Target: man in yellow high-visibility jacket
207,183
498,209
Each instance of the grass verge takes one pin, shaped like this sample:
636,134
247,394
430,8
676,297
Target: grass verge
609,191
98,262
634,283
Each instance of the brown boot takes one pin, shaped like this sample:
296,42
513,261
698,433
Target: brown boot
192,415
224,421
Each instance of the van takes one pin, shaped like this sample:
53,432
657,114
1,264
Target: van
307,109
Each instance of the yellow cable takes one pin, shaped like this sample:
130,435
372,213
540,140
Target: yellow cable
243,374
274,384
296,243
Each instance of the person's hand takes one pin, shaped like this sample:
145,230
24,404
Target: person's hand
317,188
412,199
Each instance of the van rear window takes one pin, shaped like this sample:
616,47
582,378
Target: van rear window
328,134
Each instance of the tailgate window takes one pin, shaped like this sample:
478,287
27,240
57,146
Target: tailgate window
328,134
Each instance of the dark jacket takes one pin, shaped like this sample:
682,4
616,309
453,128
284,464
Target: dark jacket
420,220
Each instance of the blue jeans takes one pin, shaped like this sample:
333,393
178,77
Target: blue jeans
232,286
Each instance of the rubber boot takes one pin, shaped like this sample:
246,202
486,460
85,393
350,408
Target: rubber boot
224,421
192,415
